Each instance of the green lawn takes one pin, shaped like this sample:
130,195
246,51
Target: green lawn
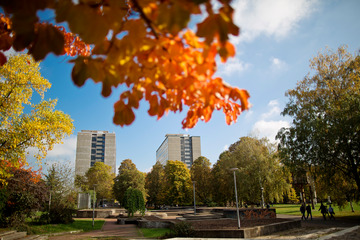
294,209
83,225
154,232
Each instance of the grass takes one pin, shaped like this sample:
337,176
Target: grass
294,209
82,225
154,232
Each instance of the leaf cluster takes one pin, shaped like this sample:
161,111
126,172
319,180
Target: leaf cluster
143,45
40,126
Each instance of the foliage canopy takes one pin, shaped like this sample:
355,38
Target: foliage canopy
128,176
143,45
22,194
325,132
258,167
23,123
134,201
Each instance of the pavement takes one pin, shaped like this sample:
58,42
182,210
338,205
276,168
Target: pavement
109,229
310,229
317,228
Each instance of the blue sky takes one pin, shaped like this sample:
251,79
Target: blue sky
277,40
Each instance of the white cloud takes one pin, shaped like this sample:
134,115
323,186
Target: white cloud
65,152
274,110
276,18
267,126
232,66
248,114
277,64
269,129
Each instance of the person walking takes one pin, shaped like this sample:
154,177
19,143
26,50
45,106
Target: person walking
302,210
308,210
323,210
331,212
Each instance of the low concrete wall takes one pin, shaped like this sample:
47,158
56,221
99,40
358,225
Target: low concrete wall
250,213
248,232
155,224
271,228
219,233
99,213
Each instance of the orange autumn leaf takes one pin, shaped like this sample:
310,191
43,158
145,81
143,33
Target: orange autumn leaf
145,46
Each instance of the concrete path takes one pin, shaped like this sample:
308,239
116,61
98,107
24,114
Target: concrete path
317,228
110,229
311,229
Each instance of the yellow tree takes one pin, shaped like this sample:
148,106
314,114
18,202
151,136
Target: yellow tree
102,177
201,173
25,124
145,46
155,185
178,183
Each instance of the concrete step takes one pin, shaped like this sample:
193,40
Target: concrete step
6,233
13,235
35,237
201,216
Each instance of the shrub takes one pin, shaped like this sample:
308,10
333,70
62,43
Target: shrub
59,213
183,229
134,201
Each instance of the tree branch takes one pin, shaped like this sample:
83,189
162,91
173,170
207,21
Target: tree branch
145,18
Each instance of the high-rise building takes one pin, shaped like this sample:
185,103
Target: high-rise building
92,147
179,147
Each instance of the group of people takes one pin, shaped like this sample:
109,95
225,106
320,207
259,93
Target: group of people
323,209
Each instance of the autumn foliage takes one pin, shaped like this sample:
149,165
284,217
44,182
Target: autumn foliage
27,123
22,192
143,45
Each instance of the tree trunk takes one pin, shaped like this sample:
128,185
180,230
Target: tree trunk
351,205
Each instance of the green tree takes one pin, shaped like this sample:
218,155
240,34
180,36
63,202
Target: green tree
128,176
258,167
201,173
178,183
81,182
102,177
134,201
40,126
154,184
62,195
222,178
325,107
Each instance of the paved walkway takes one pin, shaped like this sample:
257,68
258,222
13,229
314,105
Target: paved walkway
110,229
311,229
317,228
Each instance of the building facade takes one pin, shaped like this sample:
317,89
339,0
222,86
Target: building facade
92,147
179,147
